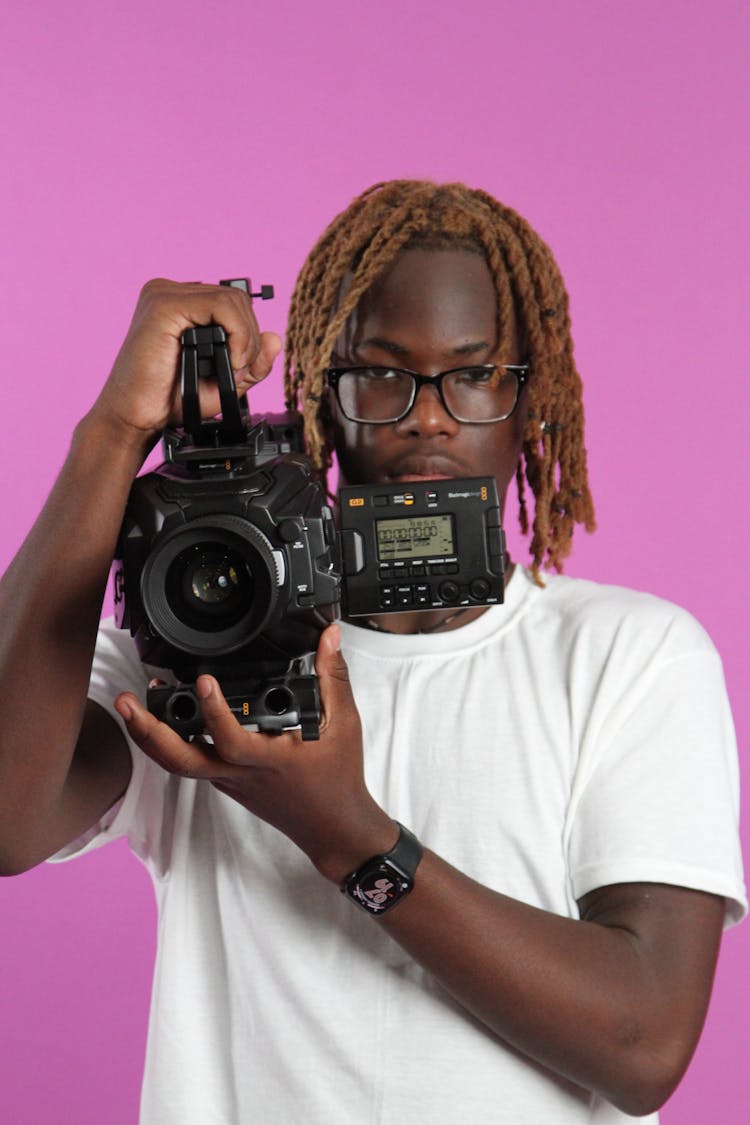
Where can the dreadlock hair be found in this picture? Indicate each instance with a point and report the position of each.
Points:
(363, 240)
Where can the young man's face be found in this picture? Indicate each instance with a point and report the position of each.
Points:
(430, 311)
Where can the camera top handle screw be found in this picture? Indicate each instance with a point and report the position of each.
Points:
(265, 292)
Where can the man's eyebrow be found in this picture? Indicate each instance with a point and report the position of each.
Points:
(470, 348)
(383, 345)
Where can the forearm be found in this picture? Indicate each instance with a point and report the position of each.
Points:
(50, 603)
(590, 1001)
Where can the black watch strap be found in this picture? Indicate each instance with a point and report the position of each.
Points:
(384, 880)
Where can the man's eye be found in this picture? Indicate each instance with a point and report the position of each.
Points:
(381, 374)
(477, 376)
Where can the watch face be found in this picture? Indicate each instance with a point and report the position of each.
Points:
(379, 887)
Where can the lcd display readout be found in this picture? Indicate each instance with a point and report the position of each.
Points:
(415, 537)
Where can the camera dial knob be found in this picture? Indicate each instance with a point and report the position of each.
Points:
(448, 591)
(289, 530)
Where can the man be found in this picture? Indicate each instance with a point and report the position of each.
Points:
(555, 775)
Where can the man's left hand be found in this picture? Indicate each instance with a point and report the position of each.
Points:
(313, 792)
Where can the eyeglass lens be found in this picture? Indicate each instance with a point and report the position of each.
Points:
(473, 394)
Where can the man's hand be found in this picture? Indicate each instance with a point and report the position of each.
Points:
(313, 792)
(142, 394)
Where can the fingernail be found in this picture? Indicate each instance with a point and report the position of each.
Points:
(125, 711)
(204, 687)
(335, 637)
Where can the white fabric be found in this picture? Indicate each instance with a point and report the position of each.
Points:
(574, 737)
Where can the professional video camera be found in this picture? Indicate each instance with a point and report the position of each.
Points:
(229, 563)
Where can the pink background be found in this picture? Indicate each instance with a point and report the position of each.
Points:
(201, 141)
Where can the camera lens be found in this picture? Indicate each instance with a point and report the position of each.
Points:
(210, 586)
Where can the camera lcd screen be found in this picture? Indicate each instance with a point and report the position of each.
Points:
(414, 537)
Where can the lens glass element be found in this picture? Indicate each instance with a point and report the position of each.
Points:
(209, 586)
(213, 582)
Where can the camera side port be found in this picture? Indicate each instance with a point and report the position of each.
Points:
(182, 709)
(278, 701)
(178, 707)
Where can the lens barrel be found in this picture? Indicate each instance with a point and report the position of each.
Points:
(210, 586)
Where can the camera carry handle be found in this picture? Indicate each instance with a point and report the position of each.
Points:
(205, 355)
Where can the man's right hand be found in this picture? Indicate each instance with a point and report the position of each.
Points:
(142, 393)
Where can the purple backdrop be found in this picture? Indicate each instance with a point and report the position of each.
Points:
(203, 141)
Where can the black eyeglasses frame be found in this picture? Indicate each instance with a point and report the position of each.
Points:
(520, 370)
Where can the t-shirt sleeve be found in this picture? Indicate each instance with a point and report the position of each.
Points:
(656, 796)
(116, 668)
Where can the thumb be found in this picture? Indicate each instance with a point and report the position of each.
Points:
(335, 690)
(270, 347)
(329, 660)
(336, 696)
(256, 369)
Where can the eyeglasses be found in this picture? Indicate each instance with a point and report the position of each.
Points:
(377, 395)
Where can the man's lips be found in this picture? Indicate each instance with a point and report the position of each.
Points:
(406, 478)
(424, 468)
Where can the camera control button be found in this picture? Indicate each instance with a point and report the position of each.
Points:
(479, 588)
(329, 532)
(289, 530)
(495, 540)
(404, 595)
(497, 563)
(448, 591)
(422, 595)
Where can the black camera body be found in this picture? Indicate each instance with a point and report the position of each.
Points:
(229, 563)
(230, 566)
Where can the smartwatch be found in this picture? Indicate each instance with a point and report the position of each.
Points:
(384, 880)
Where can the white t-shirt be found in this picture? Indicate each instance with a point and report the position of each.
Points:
(575, 737)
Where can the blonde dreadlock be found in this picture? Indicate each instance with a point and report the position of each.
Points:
(367, 237)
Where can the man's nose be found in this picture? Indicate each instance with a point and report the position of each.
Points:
(428, 415)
